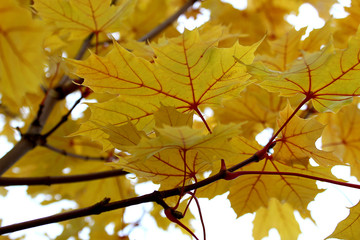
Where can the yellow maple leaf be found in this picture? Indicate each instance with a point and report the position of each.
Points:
(296, 143)
(349, 228)
(249, 192)
(284, 50)
(328, 78)
(79, 18)
(342, 135)
(276, 215)
(21, 40)
(347, 26)
(179, 154)
(189, 73)
(255, 107)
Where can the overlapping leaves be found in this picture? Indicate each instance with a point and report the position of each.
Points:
(21, 40)
(329, 78)
(251, 191)
(189, 72)
(79, 18)
(296, 143)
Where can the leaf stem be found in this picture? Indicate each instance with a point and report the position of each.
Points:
(351, 185)
(306, 99)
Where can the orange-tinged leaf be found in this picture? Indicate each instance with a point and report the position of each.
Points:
(296, 143)
(250, 192)
(342, 135)
(276, 215)
(328, 78)
(79, 18)
(188, 74)
(21, 40)
(349, 228)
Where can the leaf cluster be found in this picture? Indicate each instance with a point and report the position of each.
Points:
(147, 88)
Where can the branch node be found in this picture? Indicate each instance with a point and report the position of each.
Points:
(98, 207)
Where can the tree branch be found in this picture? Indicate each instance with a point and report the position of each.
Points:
(50, 180)
(167, 22)
(74, 155)
(156, 196)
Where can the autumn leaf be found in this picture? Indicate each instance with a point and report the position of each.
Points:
(276, 215)
(296, 143)
(179, 154)
(342, 136)
(347, 27)
(328, 79)
(255, 107)
(80, 18)
(21, 40)
(250, 192)
(349, 228)
(285, 50)
(188, 73)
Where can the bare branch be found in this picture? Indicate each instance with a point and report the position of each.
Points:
(167, 22)
(156, 196)
(74, 155)
(50, 180)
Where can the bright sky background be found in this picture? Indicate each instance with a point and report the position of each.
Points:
(327, 210)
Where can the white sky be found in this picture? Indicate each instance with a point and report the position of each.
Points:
(327, 210)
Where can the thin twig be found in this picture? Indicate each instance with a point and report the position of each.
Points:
(62, 120)
(50, 180)
(74, 155)
(167, 22)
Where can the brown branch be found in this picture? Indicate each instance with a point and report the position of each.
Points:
(167, 22)
(50, 180)
(156, 196)
(74, 155)
(62, 120)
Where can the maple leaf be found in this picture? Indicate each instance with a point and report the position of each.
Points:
(296, 143)
(21, 40)
(276, 215)
(250, 192)
(349, 228)
(79, 18)
(189, 73)
(342, 136)
(255, 107)
(320, 77)
(285, 50)
(178, 154)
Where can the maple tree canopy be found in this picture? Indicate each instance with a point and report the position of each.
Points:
(146, 88)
